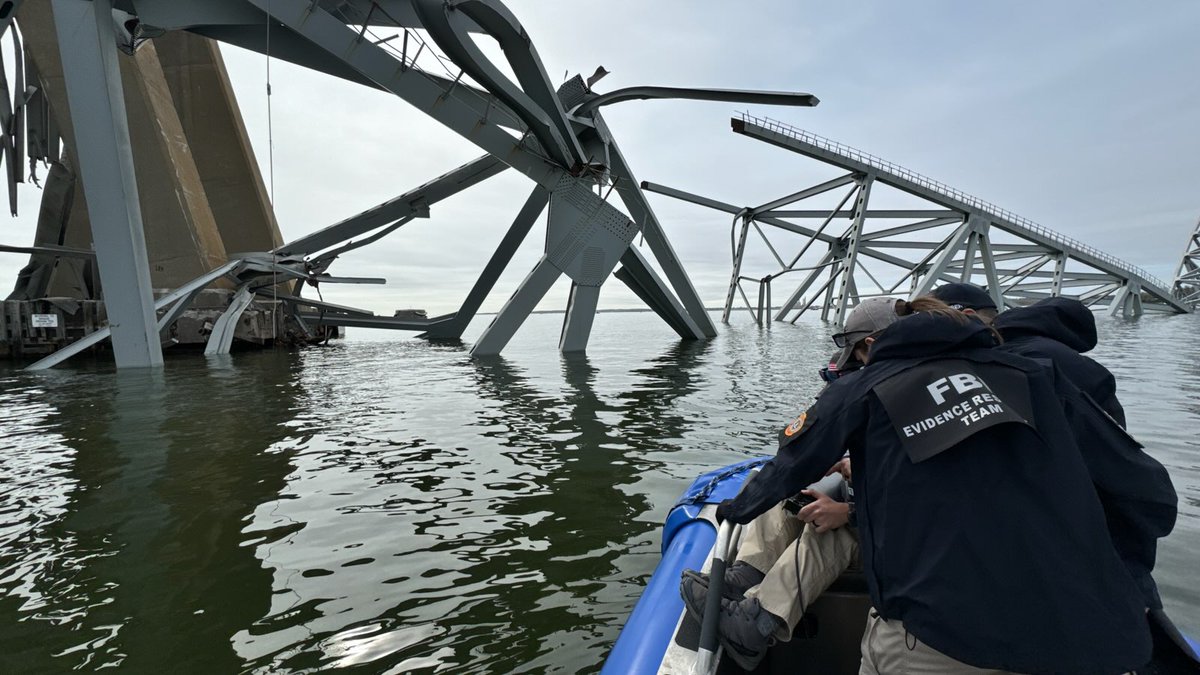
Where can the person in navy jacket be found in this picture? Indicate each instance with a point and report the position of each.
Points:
(1062, 329)
(983, 537)
(1059, 330)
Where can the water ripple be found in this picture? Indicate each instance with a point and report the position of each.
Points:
(392, 505)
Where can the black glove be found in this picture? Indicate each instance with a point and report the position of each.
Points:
(723, 510)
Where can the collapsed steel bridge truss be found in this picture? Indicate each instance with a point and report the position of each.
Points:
(1187, 277)
(855, 250)
(555, 136)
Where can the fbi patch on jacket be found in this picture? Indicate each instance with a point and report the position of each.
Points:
(938, 404)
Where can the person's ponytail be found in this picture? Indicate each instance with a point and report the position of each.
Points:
(927, 304)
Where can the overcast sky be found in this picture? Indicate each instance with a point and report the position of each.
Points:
(1081, 116)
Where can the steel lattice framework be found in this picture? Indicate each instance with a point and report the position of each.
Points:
(1187, 277)
(423, 52)
(863, 251)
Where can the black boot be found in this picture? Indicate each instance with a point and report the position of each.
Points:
(739, 578)
(744, 628)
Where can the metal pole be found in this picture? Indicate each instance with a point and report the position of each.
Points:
(968, 268)
(758, 316)
(835, 272)
(860, 215)
(739, 252)
(767, 281)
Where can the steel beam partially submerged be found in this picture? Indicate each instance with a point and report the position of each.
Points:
(922, 254)
(1187, 275)
(561, 143)
(89, 57)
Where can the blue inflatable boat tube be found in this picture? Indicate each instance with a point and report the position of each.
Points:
(687, 541)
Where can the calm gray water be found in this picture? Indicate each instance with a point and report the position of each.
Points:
(389, 505)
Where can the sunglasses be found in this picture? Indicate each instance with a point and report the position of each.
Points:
(841, 340)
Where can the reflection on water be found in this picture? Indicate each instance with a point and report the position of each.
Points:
(123, 503)
(393, 505)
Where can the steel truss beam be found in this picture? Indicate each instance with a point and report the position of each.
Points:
(1187, 276)
(93, 82)
(414, 203)
(989, 217)
(555, 157)
(570, 155)
(920, 253)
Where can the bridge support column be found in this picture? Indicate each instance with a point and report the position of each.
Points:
(1128, 301)
(89, 54)
(577, 324)
(531, 291)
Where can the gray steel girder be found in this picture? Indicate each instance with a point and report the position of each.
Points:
(221, 339)
(628, 187)
(93, 82)
(642, 93)
(377, 65)
(637, 274)
(535, 101)
(415, 202)
(505, 324)
(843, 157)
(528, 215)
(577, 323)
(1187, 276)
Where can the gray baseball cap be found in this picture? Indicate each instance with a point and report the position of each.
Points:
(869, 317)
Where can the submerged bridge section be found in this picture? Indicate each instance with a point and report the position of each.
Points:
(424, 53)
(141, 202)
(854, 249)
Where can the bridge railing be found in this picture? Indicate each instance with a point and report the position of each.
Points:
(940, 187)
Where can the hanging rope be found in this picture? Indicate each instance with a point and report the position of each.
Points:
(270, 119)
(271, 179)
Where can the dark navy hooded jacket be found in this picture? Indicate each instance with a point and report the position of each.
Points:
(994, 551)
(1062, 329)
(1058, 330)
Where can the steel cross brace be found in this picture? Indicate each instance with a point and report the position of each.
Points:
(175, 302)
(375, 64)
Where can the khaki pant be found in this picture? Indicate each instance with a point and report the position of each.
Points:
(888, 649)
(799, 563)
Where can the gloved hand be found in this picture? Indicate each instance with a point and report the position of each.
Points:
(723, 510)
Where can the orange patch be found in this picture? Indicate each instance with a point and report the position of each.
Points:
(796, 425)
